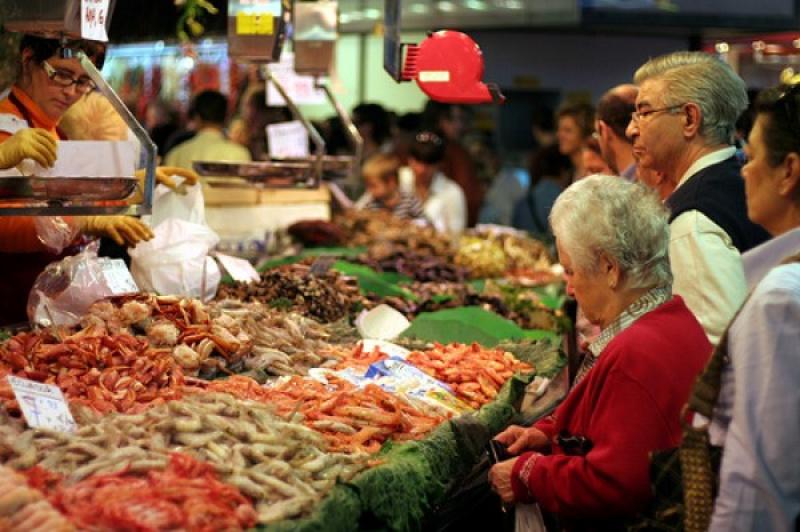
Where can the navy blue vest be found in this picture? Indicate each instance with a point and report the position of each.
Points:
(718, 192)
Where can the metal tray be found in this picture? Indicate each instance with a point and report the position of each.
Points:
(296, 174)
(66, 189)
(330, 163)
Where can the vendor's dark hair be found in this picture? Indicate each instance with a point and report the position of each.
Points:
(43, 49)
(428, 147)
(782, 130)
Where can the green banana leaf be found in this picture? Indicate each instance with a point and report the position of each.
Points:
(470, 324)
(372, 282)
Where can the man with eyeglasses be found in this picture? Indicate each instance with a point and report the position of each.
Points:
(682, 132)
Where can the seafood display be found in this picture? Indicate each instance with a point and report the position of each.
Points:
(474, 373)
(283, 466)
(325, 297)
(186, 495)
(254, 408)
(109, 373)
(200, 344)
(367, 228)
(491, 254)
(283, 343)
(24, 509)
(351, 419)
(425, 267)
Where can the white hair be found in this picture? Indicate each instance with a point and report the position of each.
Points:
(626, 221)
(704, 80)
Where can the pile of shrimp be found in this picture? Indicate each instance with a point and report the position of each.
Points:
(474, 373)
(186, 495)
(351, 419)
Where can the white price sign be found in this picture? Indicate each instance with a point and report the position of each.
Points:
(118, 277)
(300, 88)
(43, 405)
(287, 139)
(240, 269)
(93, 19)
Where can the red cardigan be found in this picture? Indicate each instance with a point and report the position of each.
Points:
(628, 405)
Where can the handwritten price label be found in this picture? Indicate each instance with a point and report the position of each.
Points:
(43, 405)
(93, 19)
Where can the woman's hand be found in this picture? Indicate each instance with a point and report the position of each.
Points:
(500, 479)
(519, 439)
(33, 143)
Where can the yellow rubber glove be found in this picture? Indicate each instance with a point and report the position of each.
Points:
(164, 176)
(34, 143)
(124, 230)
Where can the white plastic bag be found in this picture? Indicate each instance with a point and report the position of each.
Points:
(65, 289)
(176, 261)
(55, 232)
(189, 207)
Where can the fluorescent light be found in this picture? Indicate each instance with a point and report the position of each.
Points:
(419, 9)
(372, 13)
(478, 5)
(446, 6)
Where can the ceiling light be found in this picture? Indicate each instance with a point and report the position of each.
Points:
(372, 13)
(419, 9)
(510, 4)
(478, 5)
(446, 6)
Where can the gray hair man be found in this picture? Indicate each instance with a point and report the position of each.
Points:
(682, 131)
(611, 121)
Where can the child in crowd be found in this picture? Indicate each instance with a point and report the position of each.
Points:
(382, 182)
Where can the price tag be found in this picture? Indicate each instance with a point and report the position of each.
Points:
(299, 87)
(287, 139)
(254, 24)
(240, 269)
(118, 277)
(43, 405)
(93, 19)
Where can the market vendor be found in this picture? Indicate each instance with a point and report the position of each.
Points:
(589, 462)
(47, 85)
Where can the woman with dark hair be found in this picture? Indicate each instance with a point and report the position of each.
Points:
(757, 418)
(450, 122)
(47, 85)
(442, 200)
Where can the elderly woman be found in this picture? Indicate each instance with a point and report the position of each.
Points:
(757, 418)
(588, 463)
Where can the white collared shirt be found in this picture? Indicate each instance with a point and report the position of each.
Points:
(756, 415)
(706, 266)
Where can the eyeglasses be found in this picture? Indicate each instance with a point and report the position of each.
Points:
(636, 116)
(428, 137)
(63, 79)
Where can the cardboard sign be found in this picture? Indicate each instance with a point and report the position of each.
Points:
(299, 88)
(43, 405)
(287, 139)
(93, 20)
(118, 277)
(240, 269)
